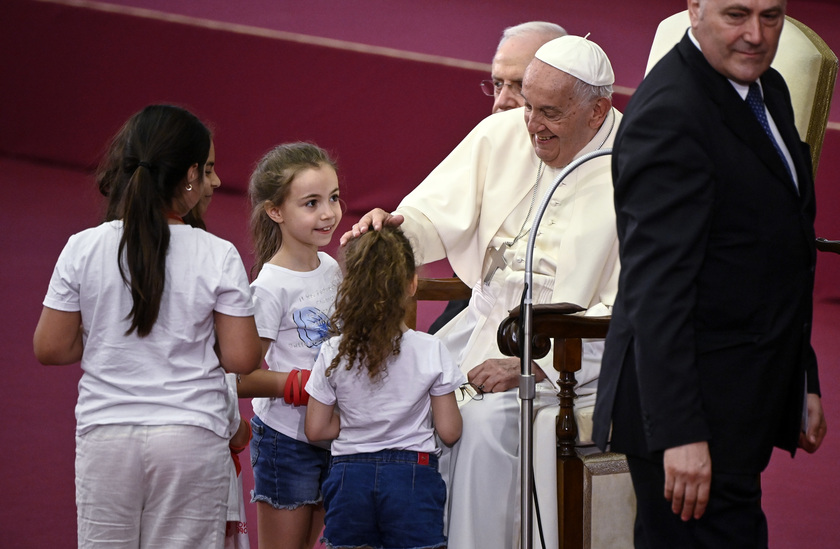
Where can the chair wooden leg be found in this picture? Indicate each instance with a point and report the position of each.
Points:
(566, 353)
(569, 465)
(569, 502)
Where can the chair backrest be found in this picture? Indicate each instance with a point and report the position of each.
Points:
(807, 64)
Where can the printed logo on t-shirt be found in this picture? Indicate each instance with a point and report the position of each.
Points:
(313, 326)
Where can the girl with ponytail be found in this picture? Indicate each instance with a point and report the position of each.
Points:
(154, 309)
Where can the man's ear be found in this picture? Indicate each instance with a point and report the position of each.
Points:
(273, 212)
(693, 12)
(600, 110)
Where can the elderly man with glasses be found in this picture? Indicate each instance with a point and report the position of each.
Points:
(515, 50)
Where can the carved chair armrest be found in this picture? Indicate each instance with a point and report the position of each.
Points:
(824, 245)
(553, 321)
(557, 321)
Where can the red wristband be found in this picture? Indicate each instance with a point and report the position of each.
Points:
(288, 390)
(296, 388)
(304, 396)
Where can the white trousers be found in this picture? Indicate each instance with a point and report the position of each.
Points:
(151, 487)
(481, 472)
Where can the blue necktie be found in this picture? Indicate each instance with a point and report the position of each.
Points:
(756, 103)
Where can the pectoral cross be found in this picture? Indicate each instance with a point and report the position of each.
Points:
(497, 261)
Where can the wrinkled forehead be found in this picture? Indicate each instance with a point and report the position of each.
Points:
(540, 76)
(515, 53)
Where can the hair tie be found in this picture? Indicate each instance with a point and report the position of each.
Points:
(145, 164)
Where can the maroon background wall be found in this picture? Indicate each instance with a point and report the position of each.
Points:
(80, 69)
(264, 72)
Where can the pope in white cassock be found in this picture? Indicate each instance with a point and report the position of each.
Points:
(476, 209)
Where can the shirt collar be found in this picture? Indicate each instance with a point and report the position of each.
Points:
(740, 88)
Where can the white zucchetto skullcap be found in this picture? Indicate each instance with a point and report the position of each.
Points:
(582, 58)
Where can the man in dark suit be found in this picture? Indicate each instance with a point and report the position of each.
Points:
(708, 359)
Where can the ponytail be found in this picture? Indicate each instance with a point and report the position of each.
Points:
(161, 144)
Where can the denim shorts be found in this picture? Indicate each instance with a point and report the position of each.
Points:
(388, 499)
(288, 473)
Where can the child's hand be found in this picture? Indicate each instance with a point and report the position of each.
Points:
(239, 441)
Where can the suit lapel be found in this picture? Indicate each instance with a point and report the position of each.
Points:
(776, 103)
(736, 114)
(740, 119)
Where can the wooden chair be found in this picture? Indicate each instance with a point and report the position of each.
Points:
(582, 473)
(595, 505)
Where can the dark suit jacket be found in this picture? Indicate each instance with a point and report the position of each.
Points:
(714, 306)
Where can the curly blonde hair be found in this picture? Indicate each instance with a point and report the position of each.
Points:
(372, 299)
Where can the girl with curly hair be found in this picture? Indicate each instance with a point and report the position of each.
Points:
(393, 388)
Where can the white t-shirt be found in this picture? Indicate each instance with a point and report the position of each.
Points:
(293, 309)
(395, 412)
(172, 376)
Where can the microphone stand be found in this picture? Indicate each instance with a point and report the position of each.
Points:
(527, 382)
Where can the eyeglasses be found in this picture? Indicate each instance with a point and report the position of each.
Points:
(488, 87)
(468, 390)
(494, 87)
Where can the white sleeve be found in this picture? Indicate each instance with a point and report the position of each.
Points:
(442, 212)
(268, 310)
(63, 291)
(318, 385)
(451, 377)
(233, 296)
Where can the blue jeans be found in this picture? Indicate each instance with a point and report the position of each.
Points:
(287, 473)
(388, 499)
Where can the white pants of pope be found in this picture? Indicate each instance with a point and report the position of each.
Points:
(482, 469)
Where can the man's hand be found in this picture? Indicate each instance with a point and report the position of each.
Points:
(816, 429)
(688, 476)
(496, 375)
(375, 218)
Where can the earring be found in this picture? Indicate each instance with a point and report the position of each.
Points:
(189, 187)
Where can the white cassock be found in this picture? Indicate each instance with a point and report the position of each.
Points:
(475, 201)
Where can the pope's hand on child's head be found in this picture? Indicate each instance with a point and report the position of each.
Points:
(376, 218)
